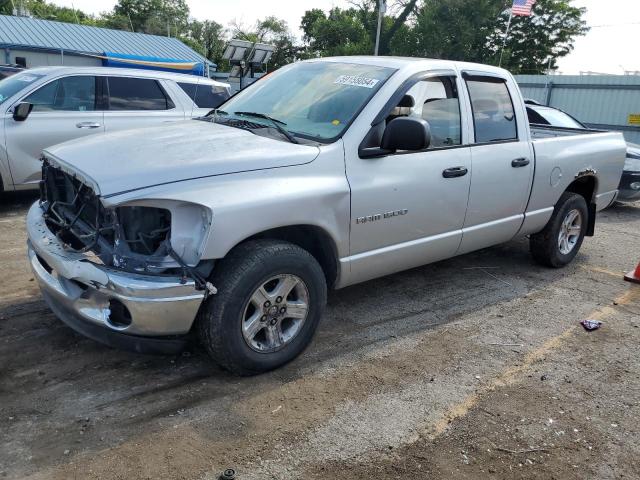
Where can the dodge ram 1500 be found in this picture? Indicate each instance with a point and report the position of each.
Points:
(325, 173)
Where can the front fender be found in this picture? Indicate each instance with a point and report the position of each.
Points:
(248, 203)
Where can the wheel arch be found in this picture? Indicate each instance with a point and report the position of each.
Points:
(587, 187)
(315, 240)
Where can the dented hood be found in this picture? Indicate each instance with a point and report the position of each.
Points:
(130, 160)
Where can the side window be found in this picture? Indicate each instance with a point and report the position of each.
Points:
(205, 95)
(137, 94)
(493, 113)
(73, 94)
(190, 89)
(436, 101)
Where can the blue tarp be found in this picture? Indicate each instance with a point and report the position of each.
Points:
(153, 63)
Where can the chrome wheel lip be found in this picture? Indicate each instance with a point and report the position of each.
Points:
(570, 231)
(275, 312)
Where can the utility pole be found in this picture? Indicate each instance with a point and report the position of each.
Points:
(382, 7)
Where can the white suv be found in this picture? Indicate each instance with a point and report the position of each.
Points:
(46, 106)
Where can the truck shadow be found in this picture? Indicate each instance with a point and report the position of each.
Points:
(16, 203)
(52, 376)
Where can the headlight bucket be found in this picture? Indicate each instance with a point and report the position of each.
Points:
(186, 226)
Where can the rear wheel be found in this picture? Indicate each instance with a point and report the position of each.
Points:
(560, 240)
(270, 298)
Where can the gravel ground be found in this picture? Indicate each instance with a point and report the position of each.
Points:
(475, 367)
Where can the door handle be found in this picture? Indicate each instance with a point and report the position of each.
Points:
(455, 172)
(520, 162)
(88, 125)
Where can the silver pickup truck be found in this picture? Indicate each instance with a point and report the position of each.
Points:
(323, 174)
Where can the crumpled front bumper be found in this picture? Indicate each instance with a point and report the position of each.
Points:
(161, 309)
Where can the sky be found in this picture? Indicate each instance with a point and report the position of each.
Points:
(610, 46)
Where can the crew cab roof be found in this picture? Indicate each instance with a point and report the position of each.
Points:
(414, 63)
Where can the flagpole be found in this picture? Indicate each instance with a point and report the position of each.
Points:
(382, 7)
(506, 35)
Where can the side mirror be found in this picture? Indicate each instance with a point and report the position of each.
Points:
(406, 133)
(21, 111)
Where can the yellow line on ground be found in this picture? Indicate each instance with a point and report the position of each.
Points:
(513, 374)
(602, 270)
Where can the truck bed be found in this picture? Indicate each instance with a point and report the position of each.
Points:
(564, 154)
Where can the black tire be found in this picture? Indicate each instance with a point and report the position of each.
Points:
(237, 277)
(544, 245)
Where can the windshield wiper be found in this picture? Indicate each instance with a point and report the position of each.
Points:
(274, 121)
(215, 112)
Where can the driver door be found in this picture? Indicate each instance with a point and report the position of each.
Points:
(63, 109)
(408, 208)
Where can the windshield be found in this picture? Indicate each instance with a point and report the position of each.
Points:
(314, 100)
(557, 118)
(12, 85)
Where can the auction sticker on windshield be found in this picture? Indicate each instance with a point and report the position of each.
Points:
(355, 81)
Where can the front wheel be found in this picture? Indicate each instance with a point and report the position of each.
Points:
(560, 240)
(271, 295)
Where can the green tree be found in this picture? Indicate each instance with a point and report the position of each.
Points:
(535, 43)
(272, 31)
(48, 11)
(454, 29)
(115, 21)
(396, 16)
(341, 32)
(207, 38)
(352, 31)
(158, 17)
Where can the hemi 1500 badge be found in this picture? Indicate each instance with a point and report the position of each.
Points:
(380, 216)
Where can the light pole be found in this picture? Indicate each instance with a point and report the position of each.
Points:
(382, 7)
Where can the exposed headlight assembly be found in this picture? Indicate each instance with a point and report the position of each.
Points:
(155, 234)
(142, 236)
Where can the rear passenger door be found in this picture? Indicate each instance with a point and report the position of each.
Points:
(502, 162)
(137, 102)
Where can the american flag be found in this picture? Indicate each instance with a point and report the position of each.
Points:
(522, 8)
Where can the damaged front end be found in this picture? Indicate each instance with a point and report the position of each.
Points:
(136, 237)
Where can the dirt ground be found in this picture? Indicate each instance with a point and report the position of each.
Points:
(475, 367)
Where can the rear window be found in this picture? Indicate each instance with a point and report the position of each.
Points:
(137, 94)
(205, 95)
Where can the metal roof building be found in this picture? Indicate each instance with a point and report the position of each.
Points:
(43, 42)
(610, 102)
